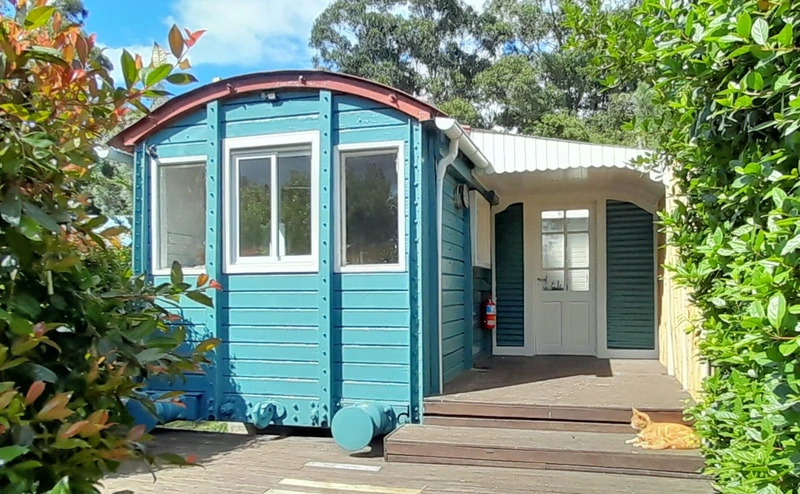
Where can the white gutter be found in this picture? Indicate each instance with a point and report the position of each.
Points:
(441, 171)
(453, 130)
(104, 152)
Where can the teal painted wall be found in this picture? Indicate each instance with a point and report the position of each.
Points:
(631, 277)
(309, 342)
(457, 337)
(510, 277)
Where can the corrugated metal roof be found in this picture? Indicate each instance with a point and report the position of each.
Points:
(510, 153)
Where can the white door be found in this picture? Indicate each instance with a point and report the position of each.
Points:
(564, 316)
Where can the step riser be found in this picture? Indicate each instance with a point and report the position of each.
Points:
(540, 425)
(633, 463)
(527, 412)
(536, 466)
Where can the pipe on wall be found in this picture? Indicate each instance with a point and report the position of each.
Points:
(441, 171)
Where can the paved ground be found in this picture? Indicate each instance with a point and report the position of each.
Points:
(315, 465)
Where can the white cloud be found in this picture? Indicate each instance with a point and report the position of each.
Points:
(249, 32)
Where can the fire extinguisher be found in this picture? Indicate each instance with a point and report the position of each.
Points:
(489, 314)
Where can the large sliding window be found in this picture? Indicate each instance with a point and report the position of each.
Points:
(271, 208)
(179, 213)
(370, 212)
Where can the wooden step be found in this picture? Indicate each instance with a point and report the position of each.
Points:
(536, 449)
(530, 424)
(610, 415)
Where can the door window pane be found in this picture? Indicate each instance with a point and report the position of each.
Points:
(553, 281)
(578, 220)
(370, 206)
(553, 251)
(552, 221)
(181, 215)
(255, 206)
(578, 250)
(294, 175)
(579, 280)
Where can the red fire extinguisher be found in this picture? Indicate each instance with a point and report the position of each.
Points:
(489, 314)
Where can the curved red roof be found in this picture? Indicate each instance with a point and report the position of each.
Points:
(261, 81)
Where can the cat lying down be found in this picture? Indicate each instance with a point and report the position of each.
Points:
(661, 435)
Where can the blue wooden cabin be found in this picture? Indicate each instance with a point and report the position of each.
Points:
(318, 201)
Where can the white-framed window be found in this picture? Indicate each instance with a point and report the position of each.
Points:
(271, 198)
(481, 228)
(370, 207)
(178, 208)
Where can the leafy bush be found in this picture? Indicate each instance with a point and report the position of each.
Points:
(78, 334)
(725, 73)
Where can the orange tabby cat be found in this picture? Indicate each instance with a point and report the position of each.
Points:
(661, 435)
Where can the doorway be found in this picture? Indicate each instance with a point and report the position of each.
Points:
(565, 283)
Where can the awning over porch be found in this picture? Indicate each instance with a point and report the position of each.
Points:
(510, 153)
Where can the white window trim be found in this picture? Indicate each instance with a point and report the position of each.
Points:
(155, 224)
(300, 264)
(339, 198)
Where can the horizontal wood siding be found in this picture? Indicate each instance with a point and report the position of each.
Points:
(275, 348)
(454, 288)
(630, 268)
(372, 311)
(510, 277)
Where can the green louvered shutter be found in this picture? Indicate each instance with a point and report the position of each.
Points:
(630, 268)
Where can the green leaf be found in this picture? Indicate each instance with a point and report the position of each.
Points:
(39, 16)
(62, 487)
(786, 36)
(129, 72)
(770, 489)
(11, 207)
(11, 453)
(36, 372)
(176, 273)
(788, 347)
(207, 345)
(776, 310)
(754, 80)
(176, 41)
(744, 24)
(791, 246)
(181, 79)
(41, 217)
(72, 443)
(30, 228)
(201, 298)
(159, 56)
(158, 74)
(150, 355)
(760, 31)
(782, 82)
(20, 326)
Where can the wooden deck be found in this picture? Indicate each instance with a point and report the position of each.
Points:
(269, 464)
(549, 413)
(564, 388)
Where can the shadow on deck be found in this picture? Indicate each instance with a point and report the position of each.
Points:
(567, 382)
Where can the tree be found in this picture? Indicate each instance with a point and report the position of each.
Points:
(509, 66)
(724, 78)
(421, 47)
(78, 335)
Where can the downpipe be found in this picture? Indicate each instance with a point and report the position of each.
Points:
(441, 172)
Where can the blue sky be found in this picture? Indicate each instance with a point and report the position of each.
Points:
(242, 35)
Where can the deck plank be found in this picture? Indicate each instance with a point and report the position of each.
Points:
(592, 449)
(568, 382)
